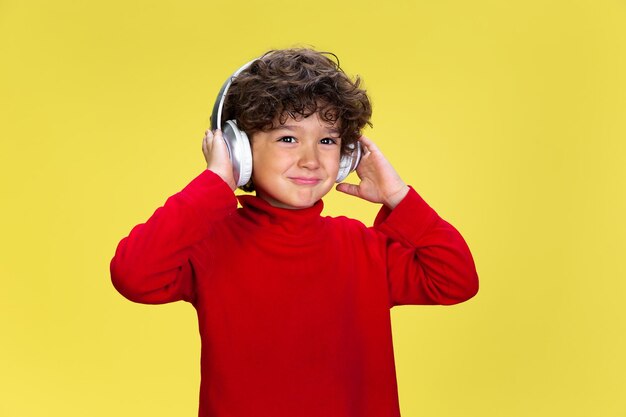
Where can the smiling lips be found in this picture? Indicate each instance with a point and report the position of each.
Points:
(305, 180)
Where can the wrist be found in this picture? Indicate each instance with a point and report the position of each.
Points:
(396, 197)
(226, 178)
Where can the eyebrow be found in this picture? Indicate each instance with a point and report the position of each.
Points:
(293, 128)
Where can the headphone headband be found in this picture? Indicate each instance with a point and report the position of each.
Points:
(216, 114)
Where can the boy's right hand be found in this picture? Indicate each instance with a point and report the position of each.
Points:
(216, 156)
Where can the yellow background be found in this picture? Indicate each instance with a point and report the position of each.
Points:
(509, 117)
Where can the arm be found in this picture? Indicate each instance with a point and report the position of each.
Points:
(152, 264)
(428, 261)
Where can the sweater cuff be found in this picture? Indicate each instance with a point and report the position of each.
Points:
(409, 221)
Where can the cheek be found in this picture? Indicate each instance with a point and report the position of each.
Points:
(274, 161)
(331, 162)
(268, 168)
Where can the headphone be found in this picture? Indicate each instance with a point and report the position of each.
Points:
(238, 143)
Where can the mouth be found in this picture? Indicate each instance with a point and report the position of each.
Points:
(305, 180)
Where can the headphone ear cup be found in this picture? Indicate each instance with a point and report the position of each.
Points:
(348, 163)
(239, 151)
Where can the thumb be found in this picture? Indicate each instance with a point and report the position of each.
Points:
(346, 188)
(220, 144)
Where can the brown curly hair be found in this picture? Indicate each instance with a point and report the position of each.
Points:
(298, 82)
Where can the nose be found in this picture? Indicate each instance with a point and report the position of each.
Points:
(309, 157)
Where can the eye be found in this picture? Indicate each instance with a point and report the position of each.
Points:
(329, 141)
(287, 139)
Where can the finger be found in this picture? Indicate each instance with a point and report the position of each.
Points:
(208, 135)
(219, 141)
(367, 144)
(350, 189)
(218, 136)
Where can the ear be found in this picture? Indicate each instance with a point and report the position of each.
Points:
(349, 162)
(240, 152)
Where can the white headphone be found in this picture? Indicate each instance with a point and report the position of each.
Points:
(238, 143)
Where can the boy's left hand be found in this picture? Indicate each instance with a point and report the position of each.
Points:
(380, 183)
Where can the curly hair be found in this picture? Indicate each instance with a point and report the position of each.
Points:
(298, 82)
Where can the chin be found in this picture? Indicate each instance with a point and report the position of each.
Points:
(304, 204)
(295, 204)
(294, 197)
(290, 201)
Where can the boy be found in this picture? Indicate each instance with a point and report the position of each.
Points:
(293, 307)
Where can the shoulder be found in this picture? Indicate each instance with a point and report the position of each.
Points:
(351, 228)
(344, 222)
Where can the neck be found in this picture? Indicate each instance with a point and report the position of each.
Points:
(278, 219)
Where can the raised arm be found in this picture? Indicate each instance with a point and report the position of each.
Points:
(151, 265)
(428, 261)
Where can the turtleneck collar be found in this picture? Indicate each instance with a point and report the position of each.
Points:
(281, 220)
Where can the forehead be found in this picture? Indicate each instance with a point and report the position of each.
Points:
(293, 122)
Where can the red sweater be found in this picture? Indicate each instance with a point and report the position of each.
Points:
(293, 307)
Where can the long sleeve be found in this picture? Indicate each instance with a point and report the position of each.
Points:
(428, 261)
(151, 265)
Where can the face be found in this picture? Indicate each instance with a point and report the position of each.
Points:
(295, 164)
